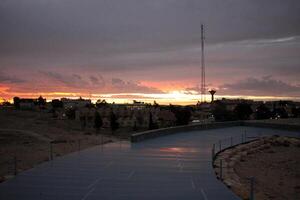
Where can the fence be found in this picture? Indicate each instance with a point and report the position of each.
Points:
(23, 156)
(228, 143)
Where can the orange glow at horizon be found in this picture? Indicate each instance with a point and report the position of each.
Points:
(168, 86)
(174, 97)
(171, 95)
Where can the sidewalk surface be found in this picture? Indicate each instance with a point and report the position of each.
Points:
(171, 167)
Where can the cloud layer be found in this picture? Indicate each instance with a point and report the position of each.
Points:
(262, 86)
(117, 46)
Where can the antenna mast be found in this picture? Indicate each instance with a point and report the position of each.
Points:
(203, 89)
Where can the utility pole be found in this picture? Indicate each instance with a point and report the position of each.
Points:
(203, 88)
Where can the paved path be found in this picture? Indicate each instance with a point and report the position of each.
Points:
(172, 167)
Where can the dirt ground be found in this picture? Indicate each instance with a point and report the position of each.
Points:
(275, 164)
(25, 138)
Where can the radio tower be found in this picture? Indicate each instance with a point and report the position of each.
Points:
(203, 89)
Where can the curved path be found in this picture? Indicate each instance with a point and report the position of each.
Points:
(172, 167)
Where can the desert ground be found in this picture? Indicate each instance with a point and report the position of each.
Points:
(25, 138)
(274, 162)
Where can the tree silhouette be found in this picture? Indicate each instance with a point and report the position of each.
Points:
(243, 111)
(6, 103)
(280, 112)
(221, 113)
(139, 119)
(101, 103)
(17, 102)
(151, 124)
(182, 115)
(82, 121)
(134, 126)
(98, 121)
(114, 125)
(262, 112)
(57, 103)
(70, 113)
(41, 101)
(155, 104)
(296, 112)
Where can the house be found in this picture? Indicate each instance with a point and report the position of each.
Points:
(166, 118)
(27, 104)
(75, 103)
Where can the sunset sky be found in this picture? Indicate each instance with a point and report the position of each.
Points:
(148, 50)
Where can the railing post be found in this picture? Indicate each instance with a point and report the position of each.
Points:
(221, 169)
(15, 166)
(78, 144)
(213, 153)
(51, 151)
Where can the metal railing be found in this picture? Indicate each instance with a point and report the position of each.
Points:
(228, 143)
(21, 158)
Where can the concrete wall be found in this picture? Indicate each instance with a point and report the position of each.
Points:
(289, 127)
(137, 137)
(171, 130)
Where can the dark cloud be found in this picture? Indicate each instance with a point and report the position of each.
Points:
(94, 83)
(117, 82)
(94, 80)
(122, 86)
(262, 86)
(73, 80)
(191, 90)
(71, 42)
(110, 27)
(5, 78)
(76, 76)
(97, 81)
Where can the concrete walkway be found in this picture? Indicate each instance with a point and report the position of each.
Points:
(172, 167)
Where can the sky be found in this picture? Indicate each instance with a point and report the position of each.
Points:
(120, 50)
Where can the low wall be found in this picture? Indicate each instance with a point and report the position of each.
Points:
(137, 137)
(289, 127)
(171, 130)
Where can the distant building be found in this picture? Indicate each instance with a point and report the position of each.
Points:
(166, 118)
(128, 115)
(27, 104)
(75, 103)
(232, 103)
